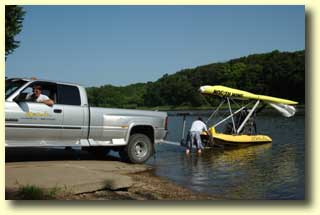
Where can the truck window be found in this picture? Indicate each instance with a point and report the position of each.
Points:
(12, 85)
(68, 95)
(48, 89)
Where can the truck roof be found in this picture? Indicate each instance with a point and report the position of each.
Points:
(44, 80)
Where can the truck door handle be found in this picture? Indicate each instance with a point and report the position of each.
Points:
(57, 110)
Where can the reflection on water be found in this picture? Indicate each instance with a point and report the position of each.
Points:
(269, 171)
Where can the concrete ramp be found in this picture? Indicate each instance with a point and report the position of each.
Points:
(71, 176)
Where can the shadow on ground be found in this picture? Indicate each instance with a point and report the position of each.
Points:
(52, 154)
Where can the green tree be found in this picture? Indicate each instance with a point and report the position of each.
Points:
(279, 74)
(13, 21)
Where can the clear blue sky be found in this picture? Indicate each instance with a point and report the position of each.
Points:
(120, 45)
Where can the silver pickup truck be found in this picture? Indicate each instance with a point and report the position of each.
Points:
(72, 122)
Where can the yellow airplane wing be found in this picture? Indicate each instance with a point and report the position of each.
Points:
(223, 91)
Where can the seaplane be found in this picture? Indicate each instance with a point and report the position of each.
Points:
(237, 126)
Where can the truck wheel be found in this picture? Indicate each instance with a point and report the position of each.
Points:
(139, 148)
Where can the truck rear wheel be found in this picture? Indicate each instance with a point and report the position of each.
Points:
(138, 150)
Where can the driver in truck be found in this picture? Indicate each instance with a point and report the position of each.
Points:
(38, 97)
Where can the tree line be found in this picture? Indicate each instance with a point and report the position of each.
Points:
(279, 74)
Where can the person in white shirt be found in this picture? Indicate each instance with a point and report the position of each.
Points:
(196, 129)
(38, 97)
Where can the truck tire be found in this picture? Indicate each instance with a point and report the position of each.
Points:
(138, 150)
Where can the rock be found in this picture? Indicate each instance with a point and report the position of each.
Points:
(117, 182)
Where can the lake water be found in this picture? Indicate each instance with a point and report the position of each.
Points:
(269, 171)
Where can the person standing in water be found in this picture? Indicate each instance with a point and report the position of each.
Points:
(197, 127)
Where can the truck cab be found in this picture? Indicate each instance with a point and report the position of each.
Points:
(70, 121)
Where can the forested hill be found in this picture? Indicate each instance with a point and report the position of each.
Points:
(279, 74)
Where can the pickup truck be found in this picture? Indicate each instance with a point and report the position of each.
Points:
(72, 122)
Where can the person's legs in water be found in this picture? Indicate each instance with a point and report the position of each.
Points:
(189, 143)
(192, 141)
(199, 143)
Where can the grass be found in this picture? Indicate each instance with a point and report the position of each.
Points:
(31, 192)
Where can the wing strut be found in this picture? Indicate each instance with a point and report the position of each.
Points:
(248, 116)
(231, 114)
(228, 117)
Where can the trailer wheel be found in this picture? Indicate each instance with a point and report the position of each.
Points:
(138, 150)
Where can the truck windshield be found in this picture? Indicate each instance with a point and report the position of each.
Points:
(12, 85)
